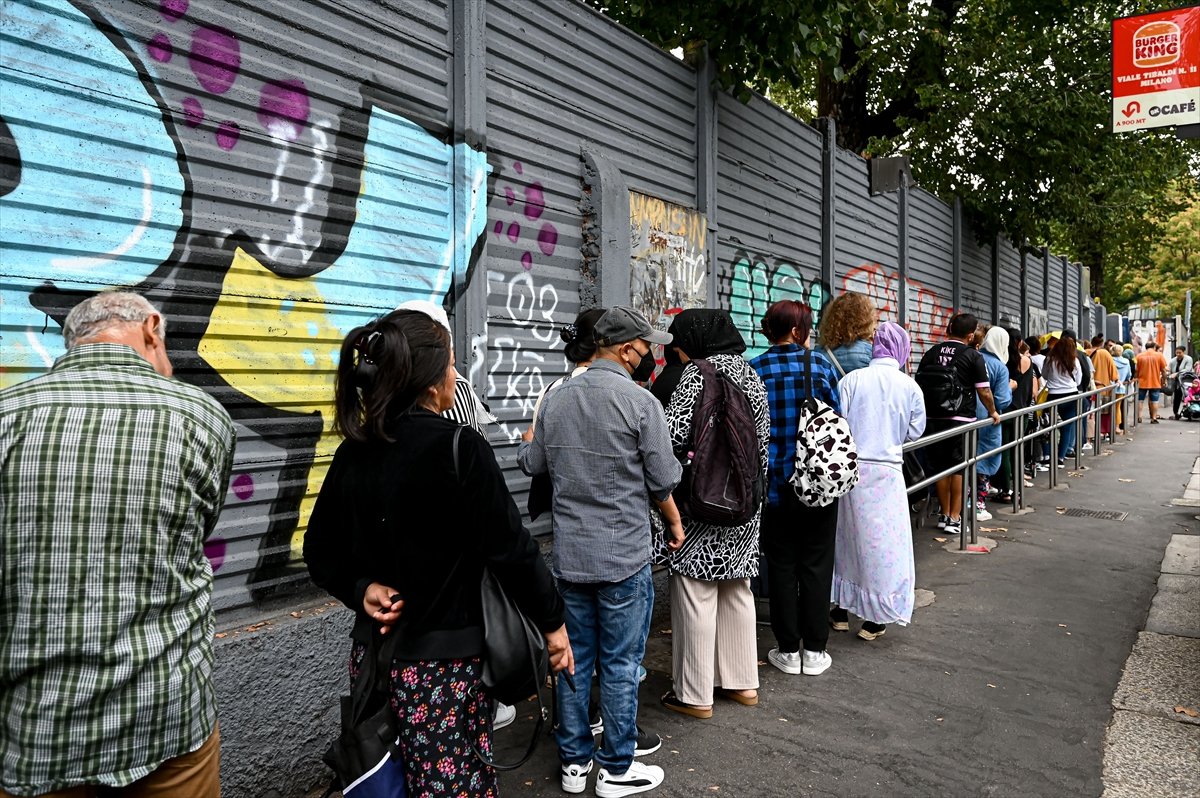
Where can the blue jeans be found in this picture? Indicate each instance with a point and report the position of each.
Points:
(608, 624)
(1066, 441)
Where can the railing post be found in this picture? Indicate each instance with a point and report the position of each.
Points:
(1017, 458)
(1099, 444)
(972, 448)
(968, 495)
(1080, 430)
(1053, 446)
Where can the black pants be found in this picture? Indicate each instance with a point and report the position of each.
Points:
(1177, 400)
(798, 542)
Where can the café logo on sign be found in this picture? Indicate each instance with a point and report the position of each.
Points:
(1156, 44)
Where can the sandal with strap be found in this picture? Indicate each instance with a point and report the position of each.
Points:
(734, 695)
(672, 702)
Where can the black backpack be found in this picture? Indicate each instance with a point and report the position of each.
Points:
(944, 393)
(722, 477)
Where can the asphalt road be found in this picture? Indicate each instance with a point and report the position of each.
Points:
(1000, 687)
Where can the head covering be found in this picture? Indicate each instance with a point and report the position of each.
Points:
(700, 333)
(433, 311)
(892, 341)
(996, 342)
(622, 324)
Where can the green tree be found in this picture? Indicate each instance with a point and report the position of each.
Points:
(1004, 103)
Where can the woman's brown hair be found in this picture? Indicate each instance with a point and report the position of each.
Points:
(784, 316)
(848, 318)
(383, 369)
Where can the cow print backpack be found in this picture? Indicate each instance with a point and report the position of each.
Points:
(826, 457)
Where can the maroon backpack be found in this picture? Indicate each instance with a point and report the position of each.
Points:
(722, 476)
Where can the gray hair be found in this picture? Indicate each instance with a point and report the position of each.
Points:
(107, 309)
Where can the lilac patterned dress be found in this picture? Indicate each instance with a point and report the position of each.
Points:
(442, 710)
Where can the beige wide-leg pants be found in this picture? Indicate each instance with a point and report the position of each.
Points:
(713, 640)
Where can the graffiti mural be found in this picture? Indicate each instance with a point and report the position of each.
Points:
(668, 271)
(754, 282)
(266, 204)
(927, 315)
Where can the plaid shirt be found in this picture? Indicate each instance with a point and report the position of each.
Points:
(111, 477)
(782, 372)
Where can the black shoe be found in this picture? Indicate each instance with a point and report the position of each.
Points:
(870, 631)
(839, 619)
(647, 743)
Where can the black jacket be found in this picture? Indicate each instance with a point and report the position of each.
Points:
(396, 514)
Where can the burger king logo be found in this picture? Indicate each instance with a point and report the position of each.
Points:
(1156, 44)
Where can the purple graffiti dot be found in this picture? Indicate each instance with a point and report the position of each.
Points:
(172, 10)
(243, 486)
(514, 232)
(193, 112)
(160, 48)
(283, 108)
(547, 239)
(535, 201)
(509, 196)
(526, 261)
(227, 135)
(518, 167)
(499, 228)
(215, 58)
(214, 550)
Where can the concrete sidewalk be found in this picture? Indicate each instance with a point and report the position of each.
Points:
(1003, 685)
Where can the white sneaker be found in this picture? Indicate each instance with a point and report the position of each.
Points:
(815, 663)
(982, 515)
(1087, 447)
(954, 527)
(574, 777)
(639, 778)
(942, 521)
(788, 662)
(505, 715)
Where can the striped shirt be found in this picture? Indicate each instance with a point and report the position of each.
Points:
(604, 440)
(782, 370)
(111, 478)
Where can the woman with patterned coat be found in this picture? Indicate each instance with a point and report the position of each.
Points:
(712, 608)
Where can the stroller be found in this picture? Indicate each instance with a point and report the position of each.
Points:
(1190, 411)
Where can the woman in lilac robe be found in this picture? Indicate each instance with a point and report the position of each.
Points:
(874, 573)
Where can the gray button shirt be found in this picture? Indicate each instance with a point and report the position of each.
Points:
(605, 442)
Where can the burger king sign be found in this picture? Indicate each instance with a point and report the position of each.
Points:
(1156, 69)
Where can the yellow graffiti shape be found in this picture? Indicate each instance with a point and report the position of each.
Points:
(272, 340)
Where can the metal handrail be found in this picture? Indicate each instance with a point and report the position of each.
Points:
(970, 431)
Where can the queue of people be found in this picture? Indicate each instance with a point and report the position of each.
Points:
(108, 436)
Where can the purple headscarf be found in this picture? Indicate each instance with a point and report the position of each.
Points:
(892, 341)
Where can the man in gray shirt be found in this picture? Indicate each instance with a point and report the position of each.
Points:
(605, 443)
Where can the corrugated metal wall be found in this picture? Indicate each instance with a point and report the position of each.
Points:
(768, 211)
(976, 277)
(1009, 282)
(1056, 285)
(275, 174)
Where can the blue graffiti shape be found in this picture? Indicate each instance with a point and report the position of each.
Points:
(99, 198)
(754, 283)
(10, 160)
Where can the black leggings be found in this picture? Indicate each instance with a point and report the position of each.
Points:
(798, 542)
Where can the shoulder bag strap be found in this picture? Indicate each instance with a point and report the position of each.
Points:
(809, 399)
(837, 365)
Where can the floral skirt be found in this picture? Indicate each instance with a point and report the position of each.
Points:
(442, 710)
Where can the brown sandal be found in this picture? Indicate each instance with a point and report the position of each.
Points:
(672, 702)
(734, 695)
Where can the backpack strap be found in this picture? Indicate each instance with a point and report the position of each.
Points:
(809, 399)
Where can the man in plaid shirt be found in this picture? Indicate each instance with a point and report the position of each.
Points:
(112, 475)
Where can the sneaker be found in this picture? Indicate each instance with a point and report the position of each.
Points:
(574, 777)
(647, 743)
(788, 662)
(1043, 467)
(639, 778)
(505, 715)
(1087, 447)
(870, 631)
(597, 724)
(814, 663)
(954, 527)
(942, 521)
(983, 515)
(839, 620)
(1062, 463)
(641, 673)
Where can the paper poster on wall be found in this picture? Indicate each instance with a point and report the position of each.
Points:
(1039, 321)
(668, 271)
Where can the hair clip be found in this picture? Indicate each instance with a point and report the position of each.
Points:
(569, 333)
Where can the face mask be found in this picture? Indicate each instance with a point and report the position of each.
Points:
(645, 368)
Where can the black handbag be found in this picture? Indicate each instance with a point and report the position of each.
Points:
(366, 757)
(516, 662)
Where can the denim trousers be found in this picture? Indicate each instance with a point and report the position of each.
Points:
(1066, 441)
(608, 623)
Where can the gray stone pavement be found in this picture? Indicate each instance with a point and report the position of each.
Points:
(1005, 684)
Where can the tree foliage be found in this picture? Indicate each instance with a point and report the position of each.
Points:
(1005, 103)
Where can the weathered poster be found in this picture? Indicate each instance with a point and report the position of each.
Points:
(668, 271)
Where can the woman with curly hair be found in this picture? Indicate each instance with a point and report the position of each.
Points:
(847, 326)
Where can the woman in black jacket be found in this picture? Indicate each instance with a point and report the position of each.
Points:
(400, 533)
